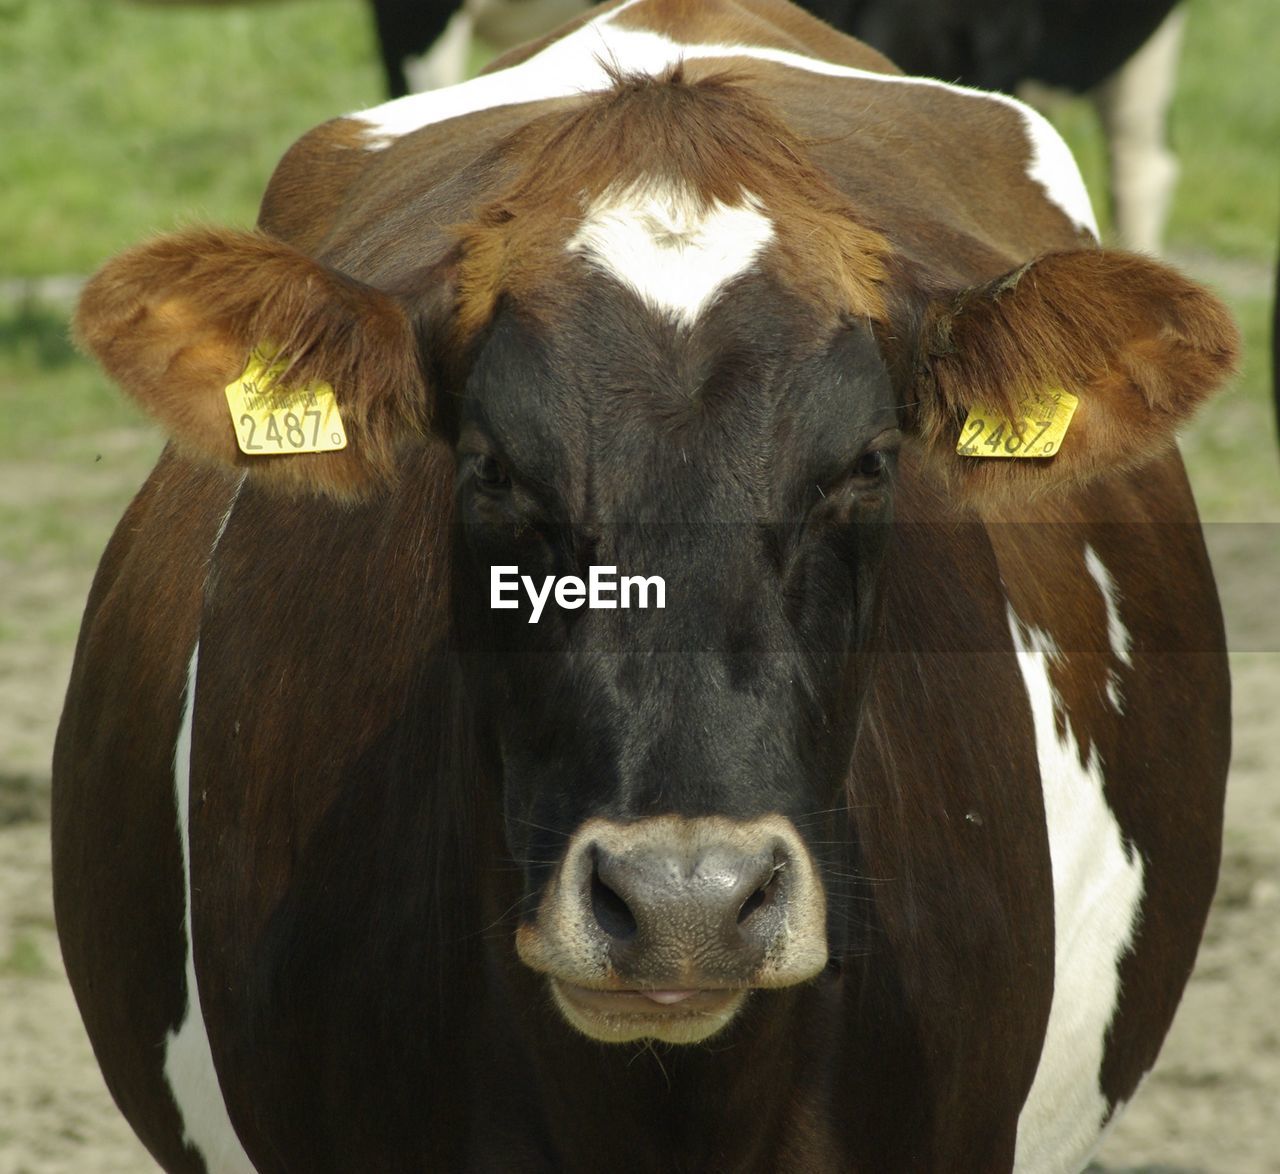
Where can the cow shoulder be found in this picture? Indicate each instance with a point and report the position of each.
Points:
(312, 182)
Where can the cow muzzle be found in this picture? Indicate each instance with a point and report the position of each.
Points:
(661, 928)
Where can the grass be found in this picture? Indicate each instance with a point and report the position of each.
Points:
(25, 960)
(122, 119)
(1224, 126)
(1231, 448)
(51, 392)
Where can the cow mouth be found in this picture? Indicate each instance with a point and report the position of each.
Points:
(660, 927)
(674, 1015)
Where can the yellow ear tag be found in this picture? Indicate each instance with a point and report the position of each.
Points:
(270, 418)
(1038, 432)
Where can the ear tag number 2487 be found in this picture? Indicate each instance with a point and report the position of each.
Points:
(1038, 433)
(271, 418)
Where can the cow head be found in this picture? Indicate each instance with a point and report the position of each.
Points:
(689, 363)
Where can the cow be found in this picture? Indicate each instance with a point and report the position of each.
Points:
(1123, 59)
(883, 840)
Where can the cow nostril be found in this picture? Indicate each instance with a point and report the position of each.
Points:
(762, 897)
(612, 913)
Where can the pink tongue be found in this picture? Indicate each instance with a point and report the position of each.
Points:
(668, 997)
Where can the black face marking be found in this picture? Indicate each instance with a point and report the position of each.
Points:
(750, 464)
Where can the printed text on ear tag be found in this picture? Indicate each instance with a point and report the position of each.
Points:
(270, 417)
(1038, 431)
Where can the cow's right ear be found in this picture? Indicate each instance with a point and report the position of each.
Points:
(176, 320)
(1136, 344)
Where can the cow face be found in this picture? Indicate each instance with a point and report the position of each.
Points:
(658, 763)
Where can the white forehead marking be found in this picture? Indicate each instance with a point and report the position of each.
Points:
(575, 65)
(673, 251)
(1117, 634)
(1097, 901)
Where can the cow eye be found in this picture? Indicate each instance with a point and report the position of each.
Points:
(871, 464)
(490, 473)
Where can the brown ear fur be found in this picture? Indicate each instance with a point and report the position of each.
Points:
(1140, 345)
(174, 321)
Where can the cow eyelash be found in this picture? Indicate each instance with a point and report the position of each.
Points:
(871, 465)
(490, 474)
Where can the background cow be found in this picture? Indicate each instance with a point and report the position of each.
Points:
(879, 808)
(1124, 57)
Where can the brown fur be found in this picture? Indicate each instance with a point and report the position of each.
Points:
(707, 133)
(311, 184)
(174, 321)
(1140, 345)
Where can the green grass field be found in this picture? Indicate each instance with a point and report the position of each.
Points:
(123, 120)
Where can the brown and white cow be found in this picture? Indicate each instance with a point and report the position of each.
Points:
(1123, 57)
(897, 824)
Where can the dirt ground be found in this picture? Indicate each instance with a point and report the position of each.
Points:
(1211, 1105)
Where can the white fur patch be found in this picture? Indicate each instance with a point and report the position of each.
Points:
(673, 252)
(188, 1058)
(571, 65)
(1097, 895)
(1054, 168)
(575, 65)
(1117, 634)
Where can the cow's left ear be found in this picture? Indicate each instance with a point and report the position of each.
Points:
(177, 320)
(1140, 346)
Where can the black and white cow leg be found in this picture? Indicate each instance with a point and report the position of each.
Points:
(501, 24)
(1133, 106)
